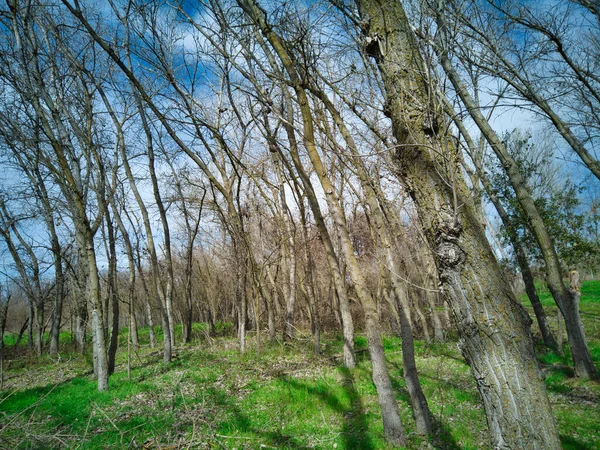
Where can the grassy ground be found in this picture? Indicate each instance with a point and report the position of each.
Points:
(210, 396)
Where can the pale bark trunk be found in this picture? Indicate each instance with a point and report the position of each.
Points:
(566, 301)
(167, 290)
(269, 298)
(150, 324)
(382, 237)
(494, 329)
(133, 332)
(520, 252)
(98, 342)
(341, 294)
(81, 316)
(392, 424)
(155, 287)
(241, 298)
(133, 325)
(311, 296)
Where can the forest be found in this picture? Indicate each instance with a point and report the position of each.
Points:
(299, 224)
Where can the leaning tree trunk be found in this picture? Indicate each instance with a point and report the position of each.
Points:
(380, 231)
(567, 301)
(338, 280)
(494, 328)
(514, 239)
(392, 423)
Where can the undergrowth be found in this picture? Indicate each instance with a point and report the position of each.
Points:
(210, 396)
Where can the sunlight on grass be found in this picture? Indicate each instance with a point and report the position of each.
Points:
(282, 397)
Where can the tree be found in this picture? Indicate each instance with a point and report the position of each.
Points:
(65, 120)
(468, 271)
(567, 301)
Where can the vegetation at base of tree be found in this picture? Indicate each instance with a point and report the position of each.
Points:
(211, 396)
(590, 313)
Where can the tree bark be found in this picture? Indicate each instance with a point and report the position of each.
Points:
(566, 300)
(494, 329)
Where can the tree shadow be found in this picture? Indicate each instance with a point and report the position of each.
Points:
(243, 423)
(568, 442)
(441, 437)
(355, 430)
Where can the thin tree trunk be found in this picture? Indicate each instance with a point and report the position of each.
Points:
(421, 411)
(438, 328)
(338, 279)
(4, 302)
(150, 324)
(422, 319)
(112, 294)
(98, 342)
(392, 424)
(58, 299)
(379, 230)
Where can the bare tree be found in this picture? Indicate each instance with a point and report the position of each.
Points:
(468, 271)
(567, 301)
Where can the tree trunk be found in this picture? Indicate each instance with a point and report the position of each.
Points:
(421, 411)
(566, 301)
(58, 301)
(422, 319)
(494, 329)
(150, 324)
(3, 315)
(98, 342)
(39, 325)
(514, 239)
(382, 237)
(30, 325)
(240, 295)
(438, 328)
(392, 424)
(338, 280)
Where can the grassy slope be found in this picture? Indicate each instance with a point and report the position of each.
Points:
(212, 397)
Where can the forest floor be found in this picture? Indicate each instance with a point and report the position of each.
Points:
(210, 396)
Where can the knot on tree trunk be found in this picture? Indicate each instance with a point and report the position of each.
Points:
(449, 254)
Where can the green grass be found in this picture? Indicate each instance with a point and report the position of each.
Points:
(575, 403)
(210, 396)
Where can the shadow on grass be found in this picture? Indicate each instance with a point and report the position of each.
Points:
(355, 431)
(569, 443)
(441, 437)
(241, 422)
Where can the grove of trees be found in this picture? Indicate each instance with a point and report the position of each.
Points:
(312, 165)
